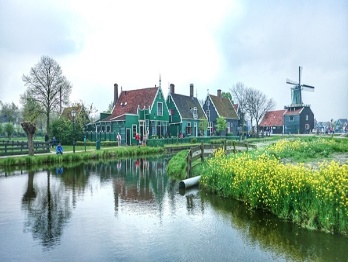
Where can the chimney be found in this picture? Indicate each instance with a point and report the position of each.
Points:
(172, 88)
(219, 93)
(115, 93)
(191, 90)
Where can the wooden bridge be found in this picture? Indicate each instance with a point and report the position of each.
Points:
(206, 150)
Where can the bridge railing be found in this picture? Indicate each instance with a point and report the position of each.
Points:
(207, 150)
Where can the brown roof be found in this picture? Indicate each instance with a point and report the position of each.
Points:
(294, 112)
(224, 107)
(130, 100)
(273, 118)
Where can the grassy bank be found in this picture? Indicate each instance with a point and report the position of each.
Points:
(131, 151)
(315, 198)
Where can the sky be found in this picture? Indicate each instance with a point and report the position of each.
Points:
(212, 44)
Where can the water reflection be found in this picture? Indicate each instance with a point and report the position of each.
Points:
(139, 193)
(47, 211)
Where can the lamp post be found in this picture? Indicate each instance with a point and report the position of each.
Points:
(73, 114)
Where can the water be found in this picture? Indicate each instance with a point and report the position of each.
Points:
(130, 210)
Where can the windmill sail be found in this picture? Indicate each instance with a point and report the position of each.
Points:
(296, 95)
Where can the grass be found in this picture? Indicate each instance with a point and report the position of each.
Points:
(112, 153)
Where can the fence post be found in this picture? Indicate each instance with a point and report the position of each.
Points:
(202, 151)
(234, 147)
(225, 143)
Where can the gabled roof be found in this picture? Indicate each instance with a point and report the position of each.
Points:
(184, 105)
(130, 100)
(224, 107)
(273, 118)
(294, 112)
(236, 107)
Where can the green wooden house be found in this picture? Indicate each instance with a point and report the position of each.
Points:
(142, 111)
(185, 114)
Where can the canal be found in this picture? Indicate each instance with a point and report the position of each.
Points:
(130, 210)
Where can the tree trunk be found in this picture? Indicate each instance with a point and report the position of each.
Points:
(29, 128)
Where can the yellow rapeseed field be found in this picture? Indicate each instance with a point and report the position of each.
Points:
(312, 197)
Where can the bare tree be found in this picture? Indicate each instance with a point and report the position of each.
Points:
(257, 104)
(47, 87)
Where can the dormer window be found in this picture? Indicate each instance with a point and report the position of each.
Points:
(194, 113)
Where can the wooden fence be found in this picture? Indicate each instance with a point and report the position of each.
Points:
(8, 148)
(207, 150)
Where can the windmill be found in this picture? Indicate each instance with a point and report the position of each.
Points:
(296, 96)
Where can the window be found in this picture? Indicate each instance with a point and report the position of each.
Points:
(194, 112)
(134, 130)
(188, 129)
(160, 109)
(291, 118)
(306, 117)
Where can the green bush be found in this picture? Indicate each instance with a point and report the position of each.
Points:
(177, 165)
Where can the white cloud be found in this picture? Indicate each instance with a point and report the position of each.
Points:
(211, 44)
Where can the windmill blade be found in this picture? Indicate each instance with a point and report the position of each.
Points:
(288, 81)
(308, 88)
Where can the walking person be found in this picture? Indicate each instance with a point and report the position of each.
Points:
(145, 138)
(137, 137)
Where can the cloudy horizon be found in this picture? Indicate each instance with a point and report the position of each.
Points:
(212, 45)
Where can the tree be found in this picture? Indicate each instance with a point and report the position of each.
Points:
(227, 95)
(29, 128)
(47, 87)
(203, 125)
(221, 124)
(110, 107)
(257, 105)
(10, 111)
(9, 129)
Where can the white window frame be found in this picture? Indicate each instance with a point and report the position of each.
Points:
(136, 131)
(159, 110)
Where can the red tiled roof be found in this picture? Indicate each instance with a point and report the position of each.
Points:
(129, 101)
(273, 118)
(294, 112)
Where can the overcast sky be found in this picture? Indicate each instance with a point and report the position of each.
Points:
(212, 44)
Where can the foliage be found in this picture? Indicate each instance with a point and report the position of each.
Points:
(177, 165)
(9, 129)
(221, 124)
(30, 108)
(227, 95)
(307, 149)
(1, 129)
(62, 130)
(313, 198)
(203, 124)
(9, 111)
(47, 87)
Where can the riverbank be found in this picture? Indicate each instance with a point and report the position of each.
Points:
(69, 156)
(315, 198)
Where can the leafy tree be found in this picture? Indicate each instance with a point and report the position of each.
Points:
(227, 95)
(203, 125)
(110, 107)
(62, 129)
(47, 87)
(9, 129)
(221, 124)
(10, 111)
